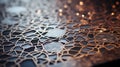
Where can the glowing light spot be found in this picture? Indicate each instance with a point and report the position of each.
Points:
(65, 6)
(117, 3)
(89, 13)
(112, 13)
(113, 6)
(104, 39)
(83, 15)
(81, 3)
(118, 17)
(101, 31)
(77, 14)
(90, 17)
(104, 29)
(60, 10)
(60, 14)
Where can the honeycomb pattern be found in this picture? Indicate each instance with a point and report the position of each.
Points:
(55, 33)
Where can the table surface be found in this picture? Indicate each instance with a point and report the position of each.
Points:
(59, 33)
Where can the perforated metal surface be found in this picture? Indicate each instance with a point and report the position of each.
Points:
(56, 33)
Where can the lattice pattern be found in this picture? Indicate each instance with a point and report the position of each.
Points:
(43, 34)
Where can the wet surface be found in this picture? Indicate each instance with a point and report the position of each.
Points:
(57, 33)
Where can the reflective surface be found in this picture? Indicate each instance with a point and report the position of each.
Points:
(57, 33)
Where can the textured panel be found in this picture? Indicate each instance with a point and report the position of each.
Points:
(58, 33)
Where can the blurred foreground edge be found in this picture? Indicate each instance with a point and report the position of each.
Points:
(114, 63)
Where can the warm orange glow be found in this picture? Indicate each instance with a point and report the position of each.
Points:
(80, 8)
(117, 3)
(60, 14)
(104, 39)
(65, 6)
(118, 17)
(81, 3)
(89, 13)
(84, 22)
(90, 18)
(113, 6)
(112, 13)
(69, 1)
(101, 31)
(104, 29)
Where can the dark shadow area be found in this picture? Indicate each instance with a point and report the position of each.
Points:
(114, 63)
